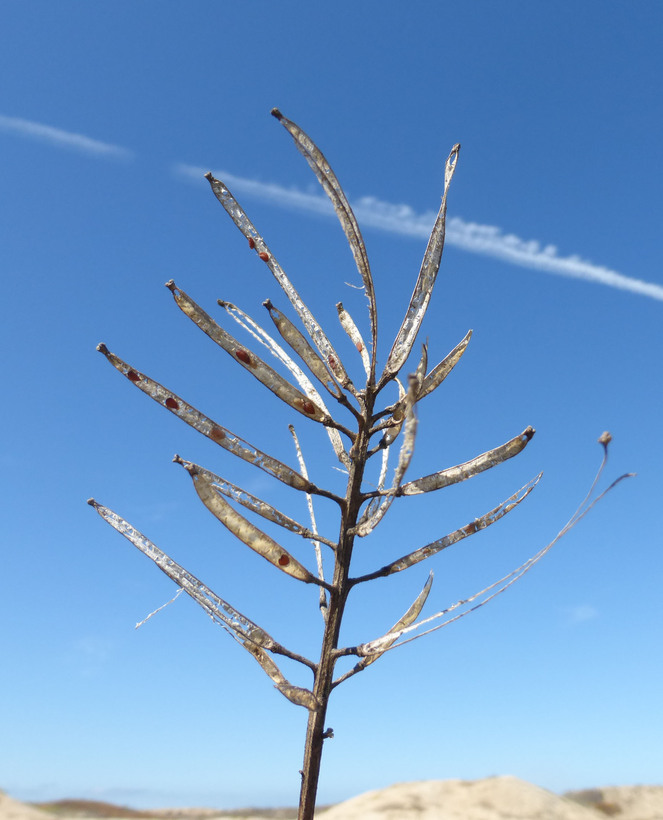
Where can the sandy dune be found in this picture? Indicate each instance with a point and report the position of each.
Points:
(494, 798)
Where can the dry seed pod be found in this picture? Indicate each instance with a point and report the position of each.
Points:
(439, 373)
(374, 516)
(461, 472)
(394, 424)
(241, 220)
(327, 178)
(220, 435)
(218, 609)
(254, 364)
(245, 321)
(302, 348)
(295, 694)
(408, 618)
(497, 587)
(425, 282)
(251, 502)
(247, 532)
(348, 325)
(442, 543)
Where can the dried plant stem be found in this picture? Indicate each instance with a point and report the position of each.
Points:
(324, 675)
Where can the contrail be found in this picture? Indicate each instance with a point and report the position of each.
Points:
(486, 240)
(62, 139)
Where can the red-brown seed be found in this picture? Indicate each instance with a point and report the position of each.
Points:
(252, 243)
(308, 407)
(172, 404)
(217, 434)
(264, 256)
(133, 376)
(243, 356)
(332, 362)
(284, 561)
(359, 346)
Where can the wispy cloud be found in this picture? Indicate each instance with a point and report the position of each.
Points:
(62, 139)
(580, 613)
(486, 240)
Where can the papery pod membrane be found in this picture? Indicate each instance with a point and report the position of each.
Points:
(247, 532)
(381, 645)
(324, 604)
(374, 503)
(261, 335)
(251, 502)
(241, 220)
(461, 472)
(439, 373)
(245, 321)
(394, 424)
(442, 543)
(291, 335)
(219, 610)
(327, 178)
(254, 364)
(295, 694)
(218, 434)
(425, 282)
(373, 518)
(410, 616)
(349, 326)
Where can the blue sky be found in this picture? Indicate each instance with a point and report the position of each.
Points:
(109, 115)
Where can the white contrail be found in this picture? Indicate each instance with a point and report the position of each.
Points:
(60, 138)
(402, 219)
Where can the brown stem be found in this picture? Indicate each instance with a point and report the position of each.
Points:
(341, 586)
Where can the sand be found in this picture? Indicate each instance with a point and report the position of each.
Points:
(494, 798)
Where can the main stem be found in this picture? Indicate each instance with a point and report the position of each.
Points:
(324, 675)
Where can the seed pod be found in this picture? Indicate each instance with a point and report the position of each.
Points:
(461, 472)
(302, 348)
(425, 282)
(211, 429)
(254, 364)
(243, 529)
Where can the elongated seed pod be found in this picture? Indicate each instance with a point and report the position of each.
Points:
(394, 424)
(442, 543)
(241, 220)
(409, 617)
(327, 178)
(349, 326)
(374, 515)
(218, 609)
(218, 434)
(254, 364)
(252, 502)
(248, 634)
(245, 321)
(439, 373)
(425, 282)
(247, 532)
(302, 348)
(461, 472)
(295, 694)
